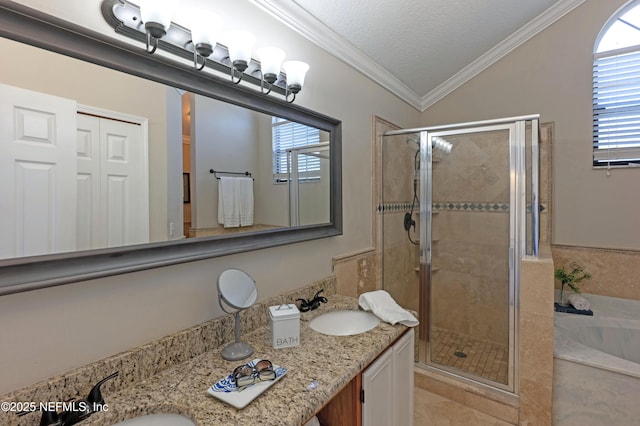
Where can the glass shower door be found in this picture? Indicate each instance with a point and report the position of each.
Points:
(309, 189)
(455, 260)
(468, 239)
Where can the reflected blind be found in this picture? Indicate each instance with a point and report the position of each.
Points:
(616, 108)
(286, 135)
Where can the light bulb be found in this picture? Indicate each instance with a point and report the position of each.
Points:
(296, 71)
(157, 15)
(205, 31)
(240, 44)
(270, 61)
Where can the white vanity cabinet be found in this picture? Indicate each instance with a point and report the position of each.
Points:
(381, 394)
(387, 386)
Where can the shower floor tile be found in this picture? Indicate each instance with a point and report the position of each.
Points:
(478, 357)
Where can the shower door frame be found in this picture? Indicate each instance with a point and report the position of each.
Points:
(293, 182)
(517, 221)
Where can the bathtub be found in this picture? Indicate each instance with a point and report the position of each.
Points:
(596, 365)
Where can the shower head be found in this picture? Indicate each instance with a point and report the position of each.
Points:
(436, 142)
(441, 144)
(413, 139)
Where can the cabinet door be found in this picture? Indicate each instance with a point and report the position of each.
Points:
(388, 386)
(403, 359)
(378, 386)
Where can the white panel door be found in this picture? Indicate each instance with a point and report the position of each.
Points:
(37, 173)
(90, 233)
(125, 189)
(112, 183)
(378, 386)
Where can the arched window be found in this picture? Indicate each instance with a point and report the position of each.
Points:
(616, 90)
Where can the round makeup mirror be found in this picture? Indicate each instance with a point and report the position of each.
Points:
(236, 289)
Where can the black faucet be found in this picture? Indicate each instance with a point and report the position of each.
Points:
(79, 410)
(310, 305)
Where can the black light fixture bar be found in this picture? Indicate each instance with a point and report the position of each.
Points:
(124, 18)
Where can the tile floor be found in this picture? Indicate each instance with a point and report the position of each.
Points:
(484, 359)
(434, 410)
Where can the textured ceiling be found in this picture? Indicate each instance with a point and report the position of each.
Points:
(424, 42)
(421, 44)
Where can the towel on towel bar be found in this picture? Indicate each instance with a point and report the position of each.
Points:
(244, 191)
(235, 201)
(384, 307)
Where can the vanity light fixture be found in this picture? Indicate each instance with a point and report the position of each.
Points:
(296, 71)
(205, 28)
(156, 16)
(151, 23)
(270, 62)
(240, 44)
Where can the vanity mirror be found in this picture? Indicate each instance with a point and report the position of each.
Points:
(158, 99)
(236, 289)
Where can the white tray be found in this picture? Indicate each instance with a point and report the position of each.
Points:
(226, 391)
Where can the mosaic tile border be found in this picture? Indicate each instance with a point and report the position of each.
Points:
(633, 252)
(470, 206)
(453, 206)
(394, 207)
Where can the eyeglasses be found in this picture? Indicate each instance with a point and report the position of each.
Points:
(245, 375)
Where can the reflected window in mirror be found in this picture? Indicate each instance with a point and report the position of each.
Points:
(288, 135)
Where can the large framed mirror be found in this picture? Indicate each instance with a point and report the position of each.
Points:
(147, 152)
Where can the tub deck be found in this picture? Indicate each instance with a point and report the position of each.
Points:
(591, 386)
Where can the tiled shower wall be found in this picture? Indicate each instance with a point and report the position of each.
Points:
(614, 273)
(401, 258)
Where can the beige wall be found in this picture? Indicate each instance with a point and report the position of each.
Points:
(551, 75)
(53, 330)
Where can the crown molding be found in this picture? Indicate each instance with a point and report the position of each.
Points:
(307, 25)
(515, 40)
(301, 21)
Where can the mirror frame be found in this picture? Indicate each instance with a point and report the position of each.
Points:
(26, 25)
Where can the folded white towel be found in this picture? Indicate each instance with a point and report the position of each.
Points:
(579, 302)
(384, 307)
(235, 201)
(244, 193)
(228, 208)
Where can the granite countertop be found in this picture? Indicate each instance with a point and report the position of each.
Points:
(332, 361)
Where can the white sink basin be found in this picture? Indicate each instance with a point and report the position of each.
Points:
(344, 323)
(158, 420)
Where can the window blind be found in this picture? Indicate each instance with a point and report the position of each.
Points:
(286, 135)
(616, 108)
